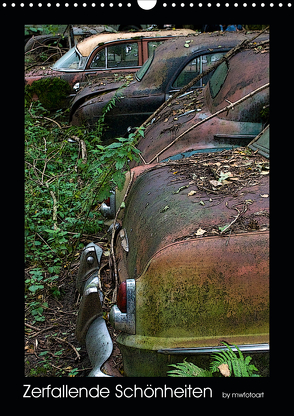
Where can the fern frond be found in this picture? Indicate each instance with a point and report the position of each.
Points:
(238, 366)
(186, 369)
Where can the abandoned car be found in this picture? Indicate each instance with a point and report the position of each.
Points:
(172, 66)
(188, 125)
(192, 258)
(104, 53)
(191, 240)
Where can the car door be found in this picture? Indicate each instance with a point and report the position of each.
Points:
(190, 70)
(124, 56)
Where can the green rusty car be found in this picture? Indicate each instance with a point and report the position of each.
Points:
(191, 248)
(193, 266)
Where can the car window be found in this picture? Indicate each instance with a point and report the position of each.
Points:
(144, 68)
(68, 61)
(196, 67)
(152, 45)
(217, 79)
(122, 55)
(99, 60)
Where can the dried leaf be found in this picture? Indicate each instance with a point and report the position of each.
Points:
(264, 195)
(200, 231)
(215, 183)
(166, 120)
(191, 193)
(224, 176)
(224, 369)
(124, 240)
(201, 203)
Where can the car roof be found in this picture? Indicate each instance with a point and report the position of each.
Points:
(86, 46)
(175, 53)
(255, 74)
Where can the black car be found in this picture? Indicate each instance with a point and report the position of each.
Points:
(172, 66)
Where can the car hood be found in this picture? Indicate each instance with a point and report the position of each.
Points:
(40, 72)
(98, 86)
(161, 210)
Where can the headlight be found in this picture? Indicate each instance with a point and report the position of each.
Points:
(76, 87)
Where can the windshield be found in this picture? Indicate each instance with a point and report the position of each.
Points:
(68, 62)
(144, 68)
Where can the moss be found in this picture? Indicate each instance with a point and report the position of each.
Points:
(51, 91)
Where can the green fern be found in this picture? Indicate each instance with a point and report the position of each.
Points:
(188, 370)
(238, 366)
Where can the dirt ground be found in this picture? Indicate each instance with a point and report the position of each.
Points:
(51, 348)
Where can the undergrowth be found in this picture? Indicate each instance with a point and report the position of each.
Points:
(68, 173)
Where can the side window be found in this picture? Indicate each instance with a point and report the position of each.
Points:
(196, 67)
(99, 60)
(152, 45)
(122, 55)
(217, 79)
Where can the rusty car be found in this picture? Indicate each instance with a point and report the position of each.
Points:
(195, 121)
(191, 239)
(173, 65)
(102, 54)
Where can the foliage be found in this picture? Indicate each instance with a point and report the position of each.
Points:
(187, 369)
(63, 191)
(239, 366)
(225, 362)
(51, 91)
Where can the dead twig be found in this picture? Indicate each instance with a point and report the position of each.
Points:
(31, 326)
(236, 217)
(39, 332)
(72, 346)
(55, 204)
(46, 118)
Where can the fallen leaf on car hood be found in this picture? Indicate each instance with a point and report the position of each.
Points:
(191, 193)
(200, 231)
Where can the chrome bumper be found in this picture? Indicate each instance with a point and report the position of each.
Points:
(91, 327)
(212, 350)
(99, 346)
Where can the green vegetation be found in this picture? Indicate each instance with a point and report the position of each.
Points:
(68, 173)
(225, 363)
(51, 91)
